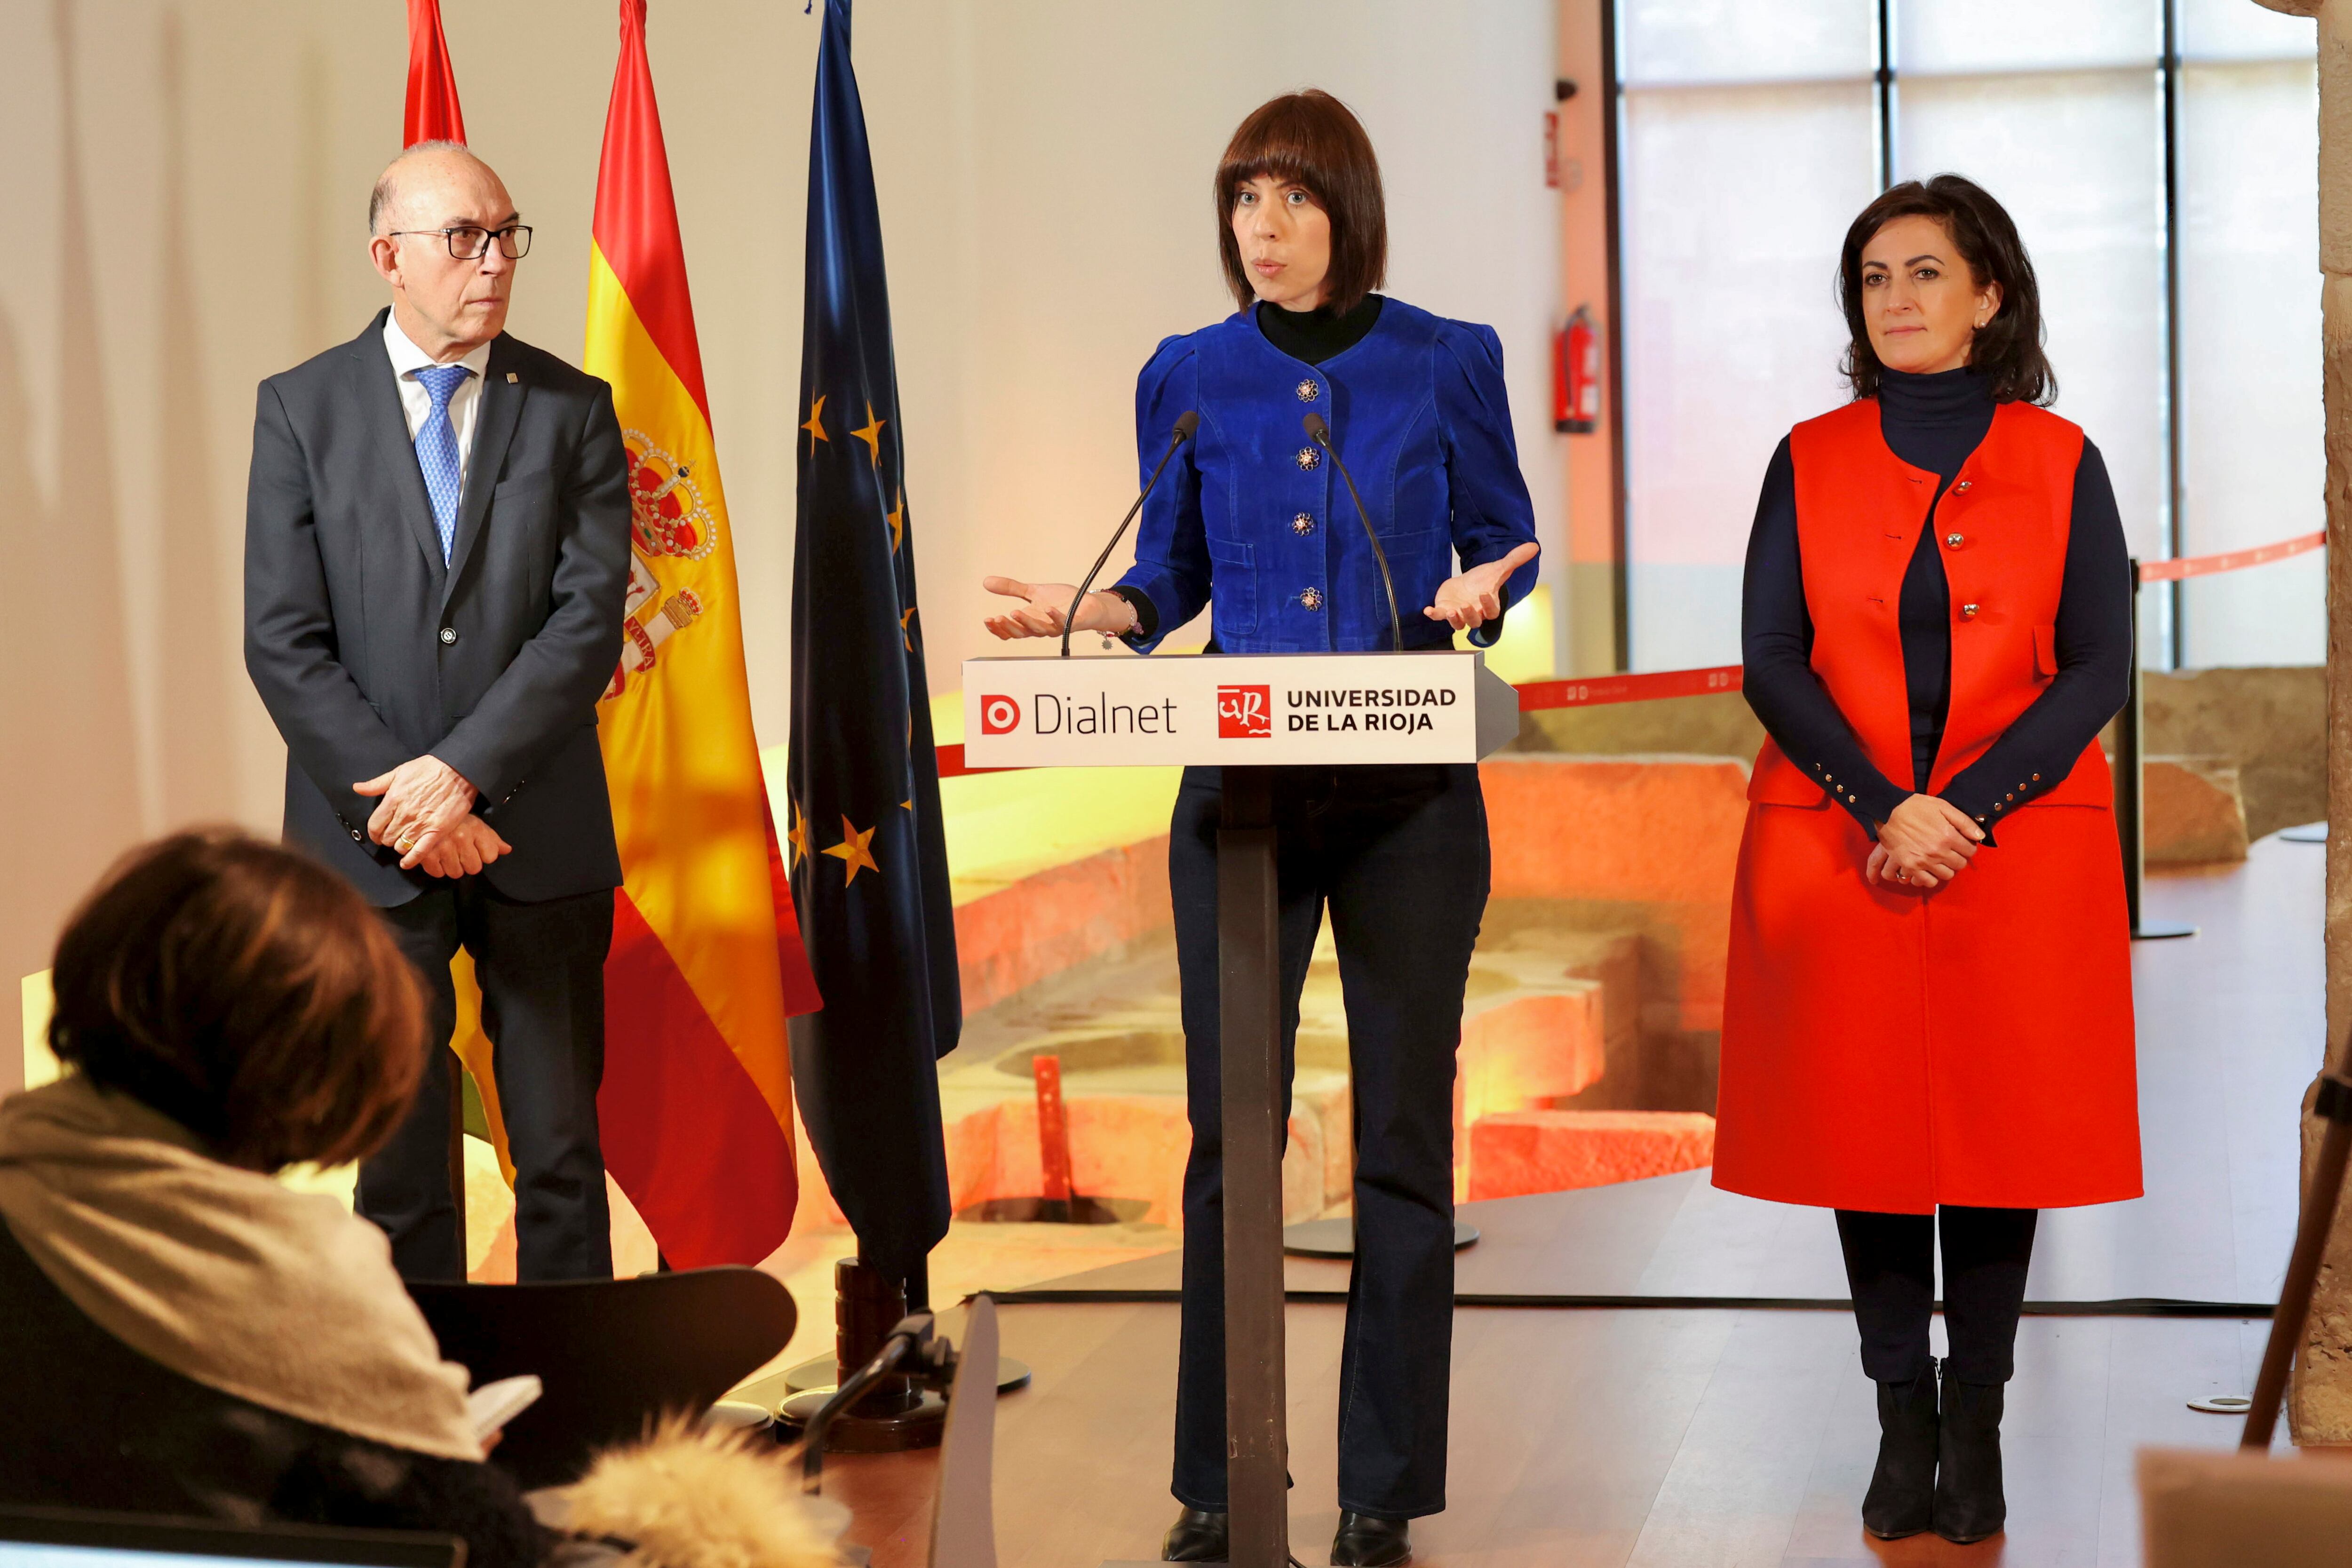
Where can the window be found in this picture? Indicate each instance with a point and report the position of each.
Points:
(2158, 156)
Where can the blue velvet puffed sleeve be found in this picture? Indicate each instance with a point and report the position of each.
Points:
(1171, 548)
(1492, 513)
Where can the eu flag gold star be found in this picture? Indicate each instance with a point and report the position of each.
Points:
(852, 851)
(799, 837)
(872, 433)
(813, 427)
(907, 629)
(897, 518)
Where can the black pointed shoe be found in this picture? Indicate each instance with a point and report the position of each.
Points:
(1968, 1501)
(1197, 1536)
(1364, 1542)
(1903, 1488)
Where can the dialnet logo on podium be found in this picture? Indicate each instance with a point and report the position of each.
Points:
(1244, 708)
(998, 715)
(1244, 713)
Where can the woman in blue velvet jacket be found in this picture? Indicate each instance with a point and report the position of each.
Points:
(1251, 521)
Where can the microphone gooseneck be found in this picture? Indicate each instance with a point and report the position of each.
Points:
(1320, 433)
(1186, 422)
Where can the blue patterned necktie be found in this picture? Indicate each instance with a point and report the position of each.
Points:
(436, 449)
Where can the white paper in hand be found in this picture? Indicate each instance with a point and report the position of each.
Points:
(493, 1405)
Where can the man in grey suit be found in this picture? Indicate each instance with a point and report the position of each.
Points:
(437, 547)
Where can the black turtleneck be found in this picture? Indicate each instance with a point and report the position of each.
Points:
(1934, 422)
(1931, 422)
(1318, 334)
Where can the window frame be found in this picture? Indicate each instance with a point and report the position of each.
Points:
(2169, 598)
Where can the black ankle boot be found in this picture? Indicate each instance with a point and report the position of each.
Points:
(1364, 1542)
(1197, 1536)
(1968, 1501)
(1903, 1487)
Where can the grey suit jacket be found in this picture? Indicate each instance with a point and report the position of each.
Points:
(368, 651)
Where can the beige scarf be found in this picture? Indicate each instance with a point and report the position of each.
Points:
(281, 1297)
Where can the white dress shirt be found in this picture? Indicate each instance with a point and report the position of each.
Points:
(415, 403)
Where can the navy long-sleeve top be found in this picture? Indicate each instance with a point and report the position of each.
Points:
(1934, 422)
(1253, 519)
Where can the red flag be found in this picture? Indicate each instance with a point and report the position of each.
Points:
(433, 114)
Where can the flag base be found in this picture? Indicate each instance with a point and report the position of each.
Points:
(920, 1425)
(822, 1372)
(898, 1413)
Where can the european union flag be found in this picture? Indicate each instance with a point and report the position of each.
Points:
(868, 853)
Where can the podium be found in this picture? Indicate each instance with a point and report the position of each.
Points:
(1247, 714)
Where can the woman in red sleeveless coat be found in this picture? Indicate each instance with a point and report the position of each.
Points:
(1929, 1009)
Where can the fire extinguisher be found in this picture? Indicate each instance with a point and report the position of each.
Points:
(1576, 375)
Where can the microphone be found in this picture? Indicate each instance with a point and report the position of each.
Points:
(1320, 434)
(1186, 422)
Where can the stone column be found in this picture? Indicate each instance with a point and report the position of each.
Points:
(2319, 1403)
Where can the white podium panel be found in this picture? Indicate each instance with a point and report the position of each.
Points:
(1234, 710)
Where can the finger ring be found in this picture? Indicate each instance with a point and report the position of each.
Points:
(404, 845)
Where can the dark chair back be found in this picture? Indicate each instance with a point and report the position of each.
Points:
(615, 1355)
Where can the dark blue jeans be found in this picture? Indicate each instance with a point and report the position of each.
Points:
(1399, 857)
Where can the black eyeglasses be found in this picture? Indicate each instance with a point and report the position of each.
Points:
(471, 241)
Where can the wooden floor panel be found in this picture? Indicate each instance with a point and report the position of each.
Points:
(1590, 1439)
(1708, 1438)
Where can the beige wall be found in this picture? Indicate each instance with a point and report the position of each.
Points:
(186, 184)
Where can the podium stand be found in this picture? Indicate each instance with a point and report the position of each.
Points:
(1246, 714)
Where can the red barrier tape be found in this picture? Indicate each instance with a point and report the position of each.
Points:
(951, 764)
(2229, 559)
(1604, 689)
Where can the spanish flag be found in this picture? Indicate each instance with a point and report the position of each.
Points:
(706, 964)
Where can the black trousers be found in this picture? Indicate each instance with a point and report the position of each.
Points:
(1891, 1267)
(541, 969)
(1399, 856)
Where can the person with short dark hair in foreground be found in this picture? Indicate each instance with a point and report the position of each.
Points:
(185, 1334)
